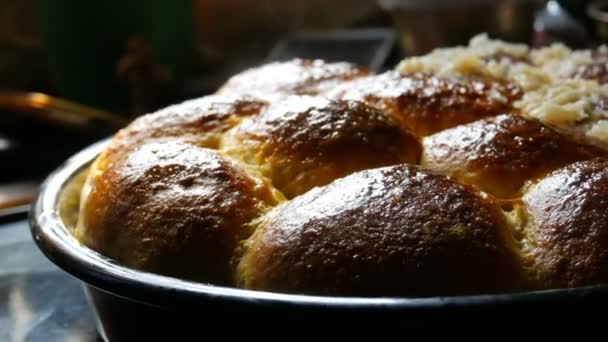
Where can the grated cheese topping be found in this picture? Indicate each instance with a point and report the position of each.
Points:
(560, 60)
(553, 93)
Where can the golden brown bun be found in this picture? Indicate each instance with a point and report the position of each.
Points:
(172, 208)
(567, 234)
(303, 142)
(293, 77)
(394, 231)
(500, 154)
(428, 104)
(201, 122)
(198, 188)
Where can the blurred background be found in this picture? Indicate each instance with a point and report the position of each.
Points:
(73, 72)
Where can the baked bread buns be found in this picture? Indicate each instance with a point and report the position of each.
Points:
(168, 202)
(294, 77)
(393, 231)
(501, 154)
(567, 226)
(428, 104)
(303, 142)
(471, 170)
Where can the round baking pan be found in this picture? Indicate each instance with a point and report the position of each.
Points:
(135, 305)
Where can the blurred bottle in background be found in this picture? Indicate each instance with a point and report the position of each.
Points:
(86, 40)
(564, 21)
(23, 61)
(428, 24)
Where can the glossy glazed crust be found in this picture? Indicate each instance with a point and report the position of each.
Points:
(303, 142)
(428, 104)
(500, 154)
(568, 226)
(201, 122)
(293, 77)
(172, 208)
(194, 189)
(395, 231)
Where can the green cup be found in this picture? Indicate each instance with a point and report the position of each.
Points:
(85, 41)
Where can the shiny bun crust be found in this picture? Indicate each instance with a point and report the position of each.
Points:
(173, 208)
(294, 77)
(428, 104)
(395, 231)
(471, 170)
(303, 142)
(567, 229)
(500, 154)
(200, 122)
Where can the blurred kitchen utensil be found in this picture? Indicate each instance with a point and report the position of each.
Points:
(598, 13)
(59, 111)
(369, 47)
(557, 23)
(16, 194)
(37, 133)
(15, 198)
(424, 25)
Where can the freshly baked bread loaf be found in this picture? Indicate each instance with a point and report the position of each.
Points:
(201, 122)
(303, 142)
(500, 154)
(394, 231)
(293, 77)
(567, 226)
(470, 170)
(427, 104)
(173, 208)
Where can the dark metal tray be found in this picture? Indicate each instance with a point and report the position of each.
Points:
(131, 304)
